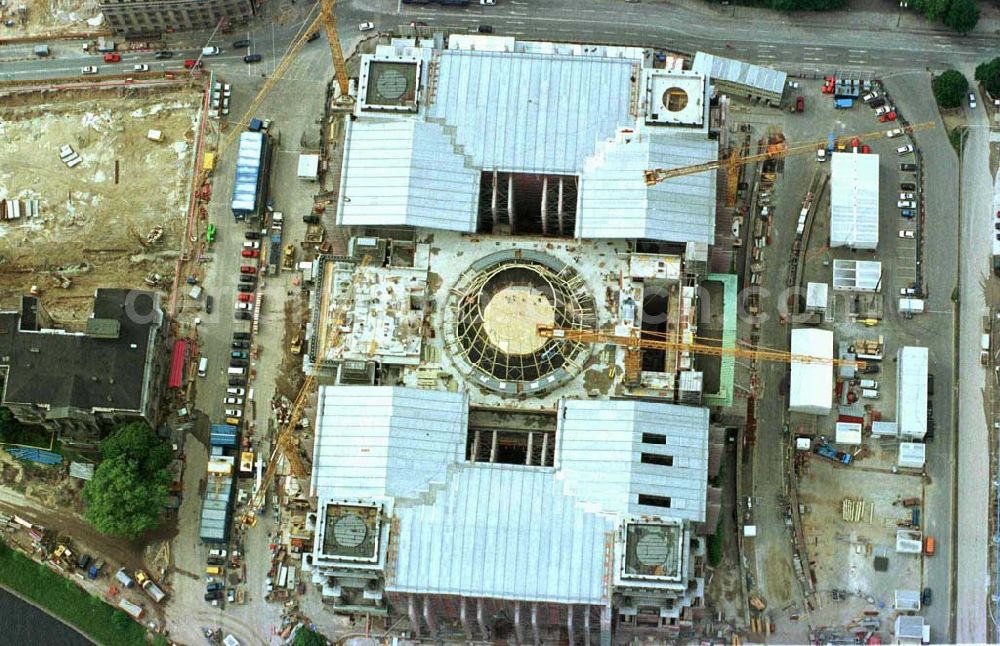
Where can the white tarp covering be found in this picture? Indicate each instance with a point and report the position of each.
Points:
(812, 383)
(857, 275)
(884, 429)
(848, 433)
(308, 167)
(911, 455)
(854, 201)
(817, 295)
(911, 391)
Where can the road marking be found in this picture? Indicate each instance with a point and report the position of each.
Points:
(764, 56)
(859, 51)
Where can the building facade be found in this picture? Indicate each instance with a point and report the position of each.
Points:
(81, 384)
(145, 18)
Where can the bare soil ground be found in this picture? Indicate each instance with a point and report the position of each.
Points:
(47, 17)
(93, 217)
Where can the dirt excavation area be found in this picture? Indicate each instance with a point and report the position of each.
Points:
(100, 201)
(21, 18)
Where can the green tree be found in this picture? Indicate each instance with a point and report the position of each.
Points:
(962, 16)
(949, 88)
(128, 490)
(307, 637)
(988, 74)
(138, 442)
(933, 10)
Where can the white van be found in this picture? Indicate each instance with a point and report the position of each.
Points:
(869, 383)
(868, 393)
(238, 372)
(203, 367)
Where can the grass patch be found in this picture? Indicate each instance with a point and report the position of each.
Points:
(61, 597)
(955, 137)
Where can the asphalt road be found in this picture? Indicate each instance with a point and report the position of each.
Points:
(971, 562)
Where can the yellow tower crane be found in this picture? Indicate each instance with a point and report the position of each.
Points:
(660, 341)
(777, 150)
(286, 443)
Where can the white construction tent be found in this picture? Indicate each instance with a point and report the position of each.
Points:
(854, 201)
(812, 381)
(911, 455)
(848, 433)
(911, 392)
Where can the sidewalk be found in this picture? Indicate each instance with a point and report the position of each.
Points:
(871, 15)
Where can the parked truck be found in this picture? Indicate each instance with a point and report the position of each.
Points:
(95, 569)
(843, 104)
(151, 588)
(122, 576)
(830, 453)
(135, 611)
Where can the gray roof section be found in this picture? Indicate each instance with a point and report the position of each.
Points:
(616, 203)
(733, 71)
(376, 441)
(522, 112)
(502, 531)
(406, 172)
(600, 448)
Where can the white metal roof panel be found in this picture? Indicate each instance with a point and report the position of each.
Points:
(912, 455)
(377, 441)
(854, 201)
(811, 383)
(406, 173)
(911, 393)
(739, 72)
(501, 531)
(857, 275)
(616, 203)
(521, 112)
(593, 435)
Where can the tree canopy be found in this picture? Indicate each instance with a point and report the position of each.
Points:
(988, 74)
(950, 88)
(962, 16)
(128, 490)
(306, 637)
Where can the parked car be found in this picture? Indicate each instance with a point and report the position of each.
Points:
(245, 298)
(140, 68)
(906, 233)
(243, 336)
(926, 597)
(240, 345)
(89, 69)
(905, 150)
(885, 109)
(209, 303)
(238, 363)
(214, 595)
(215, 585)
(163, 55)
(234, 412)
(244, 306)
(366, 26)
(800, 103)
(239, 44)
(112, 58)
(972, 100)
(909, 168)
(245, 287)
(907, 213)
(252, 235)
(248, 269)
(908, 186)
(242, 315)
(239, 354)
(930, 384)
(887, 117)
(906, 204)
(250, 253)
(231, 595)
(487, 3)
(251, 58)
(895, 132)
(485, 29)
(236, 391)
(868, 97)
(906, 196)
(248, 278)
(251, 244)
(238, 381)
(233, 401)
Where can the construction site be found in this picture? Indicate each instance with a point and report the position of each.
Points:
(39, 18)
(94, 191)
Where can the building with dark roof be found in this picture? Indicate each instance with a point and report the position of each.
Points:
(81, 383)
